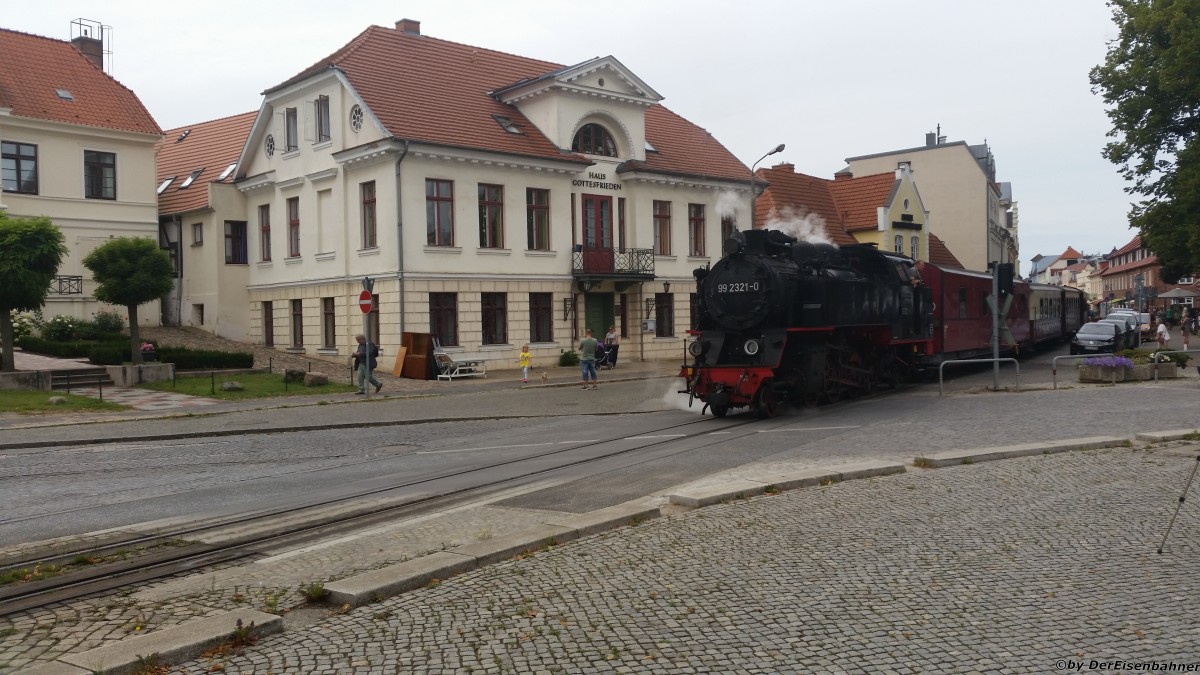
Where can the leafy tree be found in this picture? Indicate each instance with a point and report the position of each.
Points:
(130, 271)
(1150, 81)
(31, 249)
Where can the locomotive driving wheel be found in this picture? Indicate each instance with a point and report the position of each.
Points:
(766, 402)
(719, 410)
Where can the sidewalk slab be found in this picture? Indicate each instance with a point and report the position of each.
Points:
(602, 520)
(502, 548)
(171, 645)
(953, 457)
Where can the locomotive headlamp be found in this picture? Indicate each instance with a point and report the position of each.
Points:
(696, 348)
(751, 347)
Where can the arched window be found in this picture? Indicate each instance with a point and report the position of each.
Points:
(594, 139)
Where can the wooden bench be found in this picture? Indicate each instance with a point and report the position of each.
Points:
(448, 368)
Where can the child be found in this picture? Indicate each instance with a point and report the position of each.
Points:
(526, 361)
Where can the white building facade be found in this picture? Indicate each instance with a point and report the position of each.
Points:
(520, 203)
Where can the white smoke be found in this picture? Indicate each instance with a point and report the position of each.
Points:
(729, 205)
(809, 227)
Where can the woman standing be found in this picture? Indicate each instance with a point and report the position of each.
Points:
(612, 342)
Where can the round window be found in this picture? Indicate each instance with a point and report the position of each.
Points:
(356, 117)
(269, 145)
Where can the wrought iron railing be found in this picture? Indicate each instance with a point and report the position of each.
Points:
(637, 262)
(66, 285)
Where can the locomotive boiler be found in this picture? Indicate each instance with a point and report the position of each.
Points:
(785, 319)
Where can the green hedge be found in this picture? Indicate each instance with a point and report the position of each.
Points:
(69, 350)
(190, 359)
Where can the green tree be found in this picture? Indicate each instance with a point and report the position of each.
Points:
(1150, 82)
(130, 271)
(31, 249)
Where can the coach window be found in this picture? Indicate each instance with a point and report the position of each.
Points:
(962, 303)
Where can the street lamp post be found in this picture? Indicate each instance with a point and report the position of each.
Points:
(753, 196)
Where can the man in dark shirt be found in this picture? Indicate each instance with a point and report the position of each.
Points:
(587, 358)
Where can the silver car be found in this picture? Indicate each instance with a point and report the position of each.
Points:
(1129, 330)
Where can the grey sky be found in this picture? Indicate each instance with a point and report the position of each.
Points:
(830, 79)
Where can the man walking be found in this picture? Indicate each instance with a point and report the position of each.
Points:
(364, 364)
(587, 358)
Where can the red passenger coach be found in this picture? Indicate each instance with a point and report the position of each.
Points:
(962, 327)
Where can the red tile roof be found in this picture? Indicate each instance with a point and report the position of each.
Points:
(211, 146)
(1070, 254)
(433, 91)
(35, 67)
(793, 195)
(1133, 245)
(940, 254)
(859, 199)
(1149, 261)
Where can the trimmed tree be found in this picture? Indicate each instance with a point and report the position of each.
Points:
(130, 271)
(1150, 81)
(31, 250)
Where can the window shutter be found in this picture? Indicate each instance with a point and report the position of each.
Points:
(310, 121)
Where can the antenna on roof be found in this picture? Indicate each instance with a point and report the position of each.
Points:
(93, 39)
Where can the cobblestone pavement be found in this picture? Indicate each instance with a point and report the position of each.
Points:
(999, 567)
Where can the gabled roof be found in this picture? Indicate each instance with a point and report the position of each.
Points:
(36, 68)
(796, 195)
(1070, 254)
(940, 254)
(1148, 261)
(1042, 262)
(427, 90)
(859, 199)
(207, 146)
(1133, 245)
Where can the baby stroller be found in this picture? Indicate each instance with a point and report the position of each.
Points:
(604, 357)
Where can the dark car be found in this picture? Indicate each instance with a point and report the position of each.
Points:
(1097, 337)
(1129, 330)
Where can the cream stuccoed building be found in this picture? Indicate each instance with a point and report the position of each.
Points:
(493, 200)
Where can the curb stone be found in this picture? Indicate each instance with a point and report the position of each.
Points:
(955, 457)
(757, 485)
(177, 644)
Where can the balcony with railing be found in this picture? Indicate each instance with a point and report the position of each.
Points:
(603, 264)
(66, 285)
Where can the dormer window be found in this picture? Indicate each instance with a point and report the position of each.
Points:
(191, 179)
(594, 139)
(165, 184)
(228, 170)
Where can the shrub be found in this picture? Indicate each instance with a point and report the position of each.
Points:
(109, 354)
(191, 359)
(72, 349)
(108, 321)
(568, 358)
(61, 328)
(26, 323)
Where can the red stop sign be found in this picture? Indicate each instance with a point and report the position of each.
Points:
(365, 303)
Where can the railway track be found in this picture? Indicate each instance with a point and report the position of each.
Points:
(183, 549)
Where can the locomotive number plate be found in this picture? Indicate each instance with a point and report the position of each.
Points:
(740, 287)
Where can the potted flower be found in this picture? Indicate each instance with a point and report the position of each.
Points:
(148, 353)
(1104, 368)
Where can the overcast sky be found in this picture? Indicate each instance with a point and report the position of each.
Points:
(830, 79)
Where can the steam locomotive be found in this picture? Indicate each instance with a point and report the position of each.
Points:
(782, 319)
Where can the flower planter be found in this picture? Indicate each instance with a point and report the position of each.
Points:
(1102, 374)
(1145, 371)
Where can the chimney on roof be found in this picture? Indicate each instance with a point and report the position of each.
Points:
(88, 37)
(930, 139)
(784, 166)
(409, 26)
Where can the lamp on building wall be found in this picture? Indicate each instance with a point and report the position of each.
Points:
(753, 196)
(666, 287)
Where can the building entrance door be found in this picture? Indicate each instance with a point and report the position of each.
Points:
(599, 314)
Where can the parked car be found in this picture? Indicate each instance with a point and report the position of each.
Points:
(1142, 319)
(1129, 330)
(1096, 337)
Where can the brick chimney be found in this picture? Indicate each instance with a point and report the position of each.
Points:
(409, 26)
(92, 48)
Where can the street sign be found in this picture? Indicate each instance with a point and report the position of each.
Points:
(365, 303)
